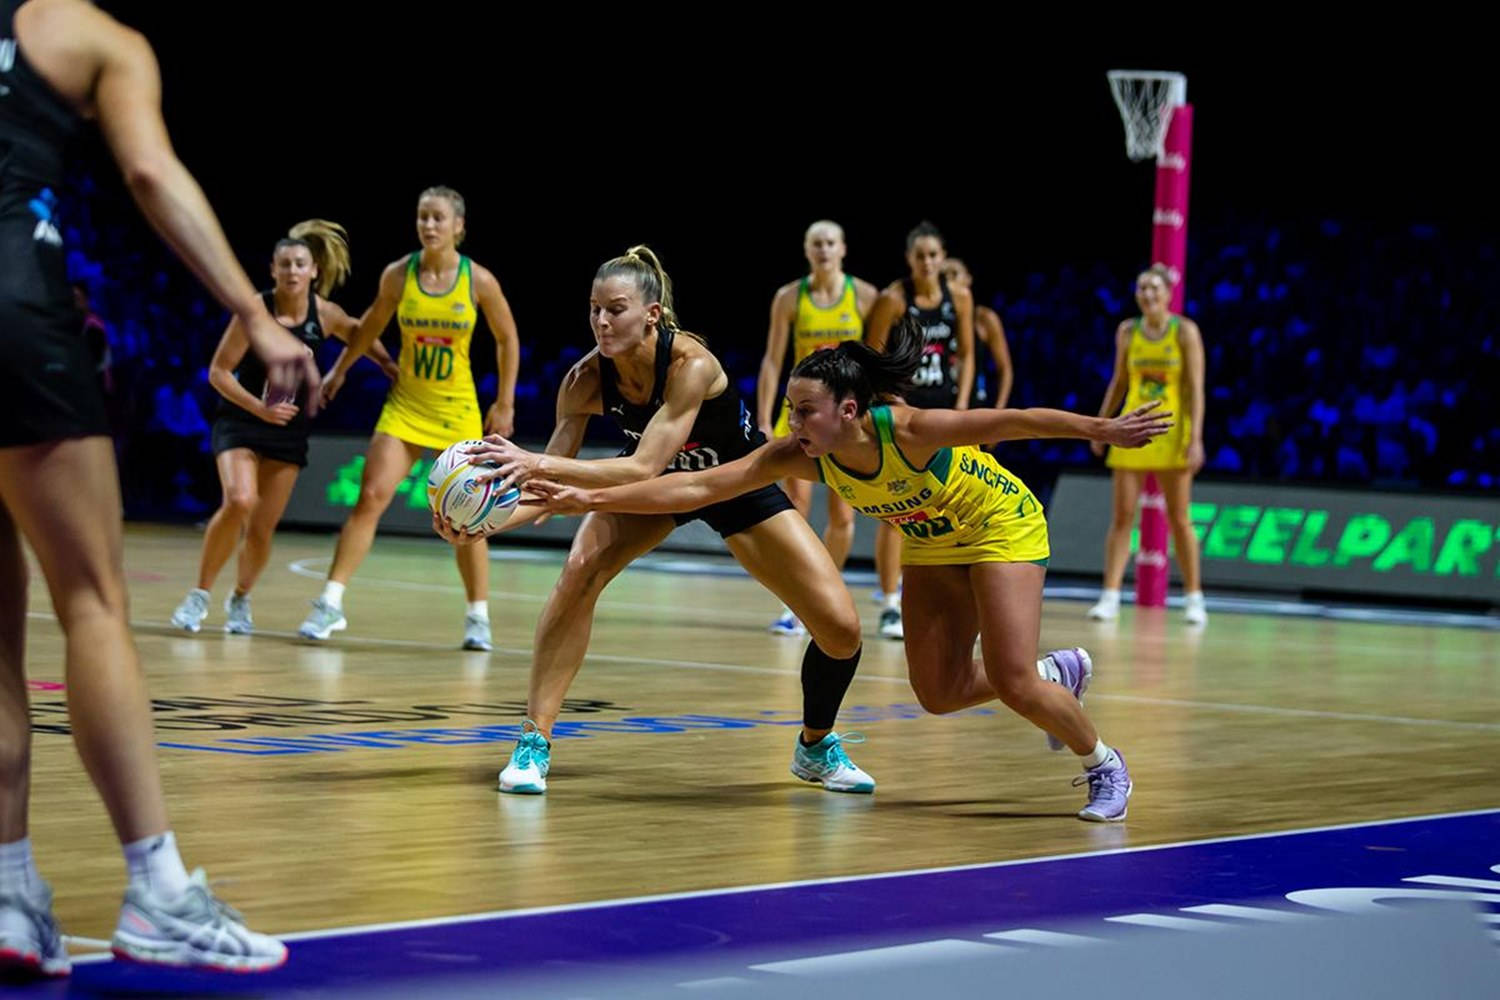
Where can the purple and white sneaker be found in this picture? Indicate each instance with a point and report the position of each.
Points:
(1109, 790)
(1074, 670)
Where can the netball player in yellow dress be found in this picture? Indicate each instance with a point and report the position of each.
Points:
(434, 294)
(974, 538)
(822, 309)
(1158, 357)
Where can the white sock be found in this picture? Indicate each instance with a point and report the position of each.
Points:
(893, 602)
(1100, 754)
(154, 863)
(480, 609)
(1194, 597)
(333, 594)
(1048, 668)
(199, 590)
(1110, 594)
(18, 872)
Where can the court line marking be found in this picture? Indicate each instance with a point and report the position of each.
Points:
(300, 567)
(649, 661)
(1311, 713)
(771, 886)
(303, 568)
(840, 880)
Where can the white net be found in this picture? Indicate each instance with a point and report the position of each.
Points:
(1146, 100)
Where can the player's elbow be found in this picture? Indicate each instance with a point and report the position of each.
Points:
(646, 467)
(146, 174)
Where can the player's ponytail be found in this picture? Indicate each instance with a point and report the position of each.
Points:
(643, 267)
(855, 369)
(328, 244)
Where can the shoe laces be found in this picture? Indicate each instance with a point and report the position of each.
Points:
(219, 912)
(834, 750)
(531, 746)
(1101, 779)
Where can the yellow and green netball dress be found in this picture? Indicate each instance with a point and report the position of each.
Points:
(963, 507)
(1155, 373)
(818, 329)
(433, 402)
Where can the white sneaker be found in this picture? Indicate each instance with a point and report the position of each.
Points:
(195, 929)
(476, 633)
(1107, 609)
(323, 621)
(191, 612)
(788, 625)
(30, 943)
(1194, 612)
(237, 620)
(890, 624)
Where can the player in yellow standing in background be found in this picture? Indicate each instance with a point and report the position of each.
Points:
(434, 294)
(1158, 358)
(820, 310)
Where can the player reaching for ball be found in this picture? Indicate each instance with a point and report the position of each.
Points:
(434, 294)
(680, 410)
(974, 538)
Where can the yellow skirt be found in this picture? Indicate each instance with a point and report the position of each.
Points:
(430, 423)
(1016, 538)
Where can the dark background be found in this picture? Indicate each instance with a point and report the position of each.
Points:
(717, 135)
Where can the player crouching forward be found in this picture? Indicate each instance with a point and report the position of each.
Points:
(975, 543)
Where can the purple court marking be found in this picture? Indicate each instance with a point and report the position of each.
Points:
(736, 929)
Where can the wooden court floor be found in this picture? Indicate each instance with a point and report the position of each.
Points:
(353, 782)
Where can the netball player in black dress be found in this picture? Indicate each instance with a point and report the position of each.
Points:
(61, 62)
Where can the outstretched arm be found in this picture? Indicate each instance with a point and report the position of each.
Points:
(681, 491)
(928, 430)
(663, 438)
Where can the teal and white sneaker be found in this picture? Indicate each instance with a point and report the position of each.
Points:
(526, 774)
(237, 619)
(323, 621)
(191, 612)
(826, 763)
